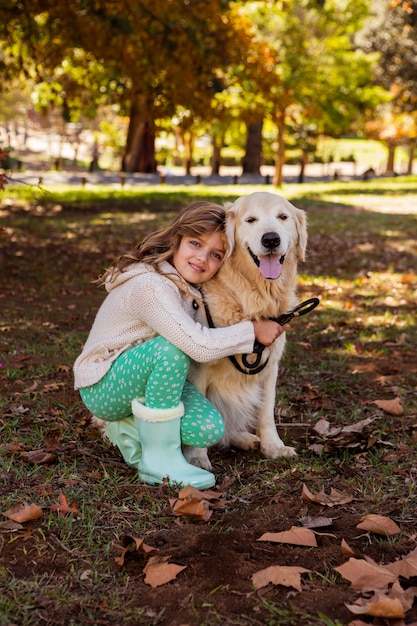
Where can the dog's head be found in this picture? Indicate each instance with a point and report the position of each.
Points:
(267, 228)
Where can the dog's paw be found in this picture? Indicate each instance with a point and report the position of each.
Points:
(245, 441)
(287, 451)
(197, 457)
(276, 452)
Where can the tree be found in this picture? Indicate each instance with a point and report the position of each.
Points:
(393, 35)
(317, 76)
(152, 56)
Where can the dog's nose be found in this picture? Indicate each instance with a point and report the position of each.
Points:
(271, 240)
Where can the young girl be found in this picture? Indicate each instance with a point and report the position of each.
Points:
(132, 371)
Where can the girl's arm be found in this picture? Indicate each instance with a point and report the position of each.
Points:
(160, 305)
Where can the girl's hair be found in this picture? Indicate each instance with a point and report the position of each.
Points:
(194, 220)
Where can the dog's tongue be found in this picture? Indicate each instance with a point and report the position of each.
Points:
(270, 266)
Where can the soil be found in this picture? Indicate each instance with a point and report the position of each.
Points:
(220, 555)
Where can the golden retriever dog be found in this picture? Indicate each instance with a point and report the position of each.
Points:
(268, 237)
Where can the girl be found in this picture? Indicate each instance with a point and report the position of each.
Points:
(132, 371)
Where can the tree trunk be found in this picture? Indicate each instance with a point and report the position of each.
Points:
(303, 163)
(253, 150)
(391, 158)
(280, 153)
(216, 155)
(139, 153)
(411, 149)
(188, 139)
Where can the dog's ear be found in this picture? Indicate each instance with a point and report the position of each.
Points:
(230, 225)
(301, 223)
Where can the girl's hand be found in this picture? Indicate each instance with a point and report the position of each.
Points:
(266, 331)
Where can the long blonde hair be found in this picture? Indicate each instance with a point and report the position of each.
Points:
(194, 220)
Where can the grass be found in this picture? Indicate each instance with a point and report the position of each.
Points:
(356, 348)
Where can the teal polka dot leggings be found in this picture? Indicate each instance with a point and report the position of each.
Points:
(155, 370)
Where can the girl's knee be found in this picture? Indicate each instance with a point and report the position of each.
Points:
(216, 430)
(202, 432)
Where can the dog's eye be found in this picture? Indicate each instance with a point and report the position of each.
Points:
(250, 220)
(283, 216)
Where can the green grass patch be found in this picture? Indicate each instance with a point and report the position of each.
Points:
(355, 349)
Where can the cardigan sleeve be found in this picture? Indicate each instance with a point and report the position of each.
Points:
(158, 302)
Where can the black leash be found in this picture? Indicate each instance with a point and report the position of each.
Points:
(255, 366)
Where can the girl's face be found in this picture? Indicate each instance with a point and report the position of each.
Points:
(198, 258)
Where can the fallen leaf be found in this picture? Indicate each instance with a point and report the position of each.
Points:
(335, 498)
(63, 506)
(355, 435)
(379, 524)
(158, 572)
(213, 497)
(10, 525)
(196, 494)
(24, 513)
(195, 509)
(296, 536)
(348, 551)
(39, 457)
(131, 544)
(51, 387)
(392, 407)
(405, 567)
(192, 503)
(315, 522)
(288, 576)
(322, 427)
(378, 606)
(363, 575)
(63, 368)
(405, 596)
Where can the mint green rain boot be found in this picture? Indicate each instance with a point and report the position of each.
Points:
(124, 435)
(159, 434)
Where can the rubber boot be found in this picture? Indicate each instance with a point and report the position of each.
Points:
(124, 435)
(159, 434)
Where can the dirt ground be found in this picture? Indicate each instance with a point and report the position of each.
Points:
(221, 555)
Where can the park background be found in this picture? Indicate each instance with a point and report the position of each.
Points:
(132, 87)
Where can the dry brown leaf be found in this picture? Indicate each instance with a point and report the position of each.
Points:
(405, 596)
(288, 576)
(405, 567)
(63, 506)
(132, 544)
(51, 387)
(363, 575)
(24, 513)
(315, 522)
(335, 498)
(158, 572)
(379, 524)
(296, 536)
(39, 457)
(348, 551)
(392, 407)
(192, 493)
(196, 494)
(197, 509)
(378, 606)
(322, 427)
(10, 525)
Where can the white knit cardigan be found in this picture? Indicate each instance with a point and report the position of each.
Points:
(141, 304)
